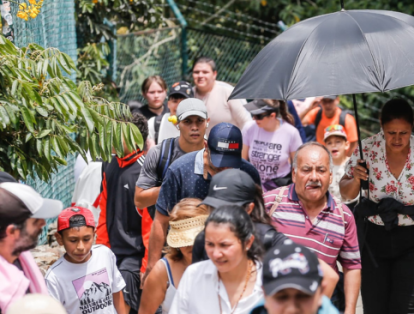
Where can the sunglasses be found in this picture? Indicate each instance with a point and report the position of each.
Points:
(261, 116)
(335, 127)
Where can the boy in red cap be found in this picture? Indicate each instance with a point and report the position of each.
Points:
(85, 279)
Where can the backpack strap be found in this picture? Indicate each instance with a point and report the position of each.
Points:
(318, 118)
(342, 117)
(157, 124)
(167, 148)
(277, 200)
(338, 203)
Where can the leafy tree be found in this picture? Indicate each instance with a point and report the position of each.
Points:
(41, 110)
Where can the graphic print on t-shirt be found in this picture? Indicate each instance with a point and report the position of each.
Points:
(265, 157)
(94, 291)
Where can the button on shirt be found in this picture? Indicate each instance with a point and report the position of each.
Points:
(184, 178)
(382, 182)
(329, 236)
(199, 292)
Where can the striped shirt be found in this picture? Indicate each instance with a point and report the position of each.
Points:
(330, 236)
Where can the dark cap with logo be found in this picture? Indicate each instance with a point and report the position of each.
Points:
(259, 106)
(225, 143)
(290, 265)
(182, 88)
(230, 187)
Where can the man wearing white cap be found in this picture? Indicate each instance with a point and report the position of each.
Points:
(22, 216)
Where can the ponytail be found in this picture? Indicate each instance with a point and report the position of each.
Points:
(281, 108)
(284, 112)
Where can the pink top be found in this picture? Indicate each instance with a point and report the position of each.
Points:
(269, 152)
(14, 283)
(329, 236)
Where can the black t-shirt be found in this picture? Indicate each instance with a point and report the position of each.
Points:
(147, 113)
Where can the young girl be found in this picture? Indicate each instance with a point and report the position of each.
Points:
(230, 282)
(186, 221)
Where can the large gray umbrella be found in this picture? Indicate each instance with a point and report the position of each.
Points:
(345, 52)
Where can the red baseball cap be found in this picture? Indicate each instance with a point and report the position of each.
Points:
(66, 214)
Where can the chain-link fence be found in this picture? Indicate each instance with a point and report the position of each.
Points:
(53, 27)
(140, 55)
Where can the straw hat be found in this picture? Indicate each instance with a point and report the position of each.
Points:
(183, 232)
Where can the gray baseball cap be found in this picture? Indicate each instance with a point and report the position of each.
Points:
(191, 107)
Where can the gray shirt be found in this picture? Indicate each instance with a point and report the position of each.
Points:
(148, 177)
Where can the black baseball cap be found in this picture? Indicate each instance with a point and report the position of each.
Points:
(225, 143)
(182, 88)
(291, 265)
(230, 187)
(258, 106)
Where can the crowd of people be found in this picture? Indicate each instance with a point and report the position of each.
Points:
(231, 207)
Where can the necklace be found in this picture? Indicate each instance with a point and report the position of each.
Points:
(248, 275)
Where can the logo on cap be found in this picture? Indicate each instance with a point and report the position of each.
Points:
(218, 188)
(284, 266)
(227, 145)
(175, 84)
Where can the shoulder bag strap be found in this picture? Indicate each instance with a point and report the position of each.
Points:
(277, 200)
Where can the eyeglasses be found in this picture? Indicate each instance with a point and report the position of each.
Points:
(334, 127)
(261, 116)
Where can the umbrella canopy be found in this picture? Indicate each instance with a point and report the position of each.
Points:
(346, 52)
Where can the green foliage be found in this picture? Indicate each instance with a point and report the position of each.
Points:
(101, 19)
(41, 109)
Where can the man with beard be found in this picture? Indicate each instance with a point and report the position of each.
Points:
(307, 213)
(22, 216)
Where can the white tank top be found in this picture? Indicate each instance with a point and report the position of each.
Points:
(169, 295)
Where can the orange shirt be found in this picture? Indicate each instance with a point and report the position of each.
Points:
(350, 124)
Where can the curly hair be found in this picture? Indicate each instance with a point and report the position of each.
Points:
(141, 123)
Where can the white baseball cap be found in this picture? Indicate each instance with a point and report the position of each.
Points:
(191, 107)
(39, 207)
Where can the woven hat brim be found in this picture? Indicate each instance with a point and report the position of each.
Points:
(182, 238)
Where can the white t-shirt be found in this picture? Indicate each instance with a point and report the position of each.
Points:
(220, 110)
(199, 290)
(167, 129)
(87, 287)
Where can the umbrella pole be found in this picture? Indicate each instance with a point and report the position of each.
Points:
(364, 184)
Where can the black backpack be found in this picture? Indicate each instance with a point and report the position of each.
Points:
(310, 130)
(157, 124)
(167, 149)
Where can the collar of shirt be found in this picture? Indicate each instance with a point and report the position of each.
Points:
(211, 271)
(199, 162)
(293, 196)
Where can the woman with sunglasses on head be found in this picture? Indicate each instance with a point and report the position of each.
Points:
(186, 220)
(230, 281)
(270, 142)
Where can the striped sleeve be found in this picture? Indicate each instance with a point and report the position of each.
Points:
(349, 256)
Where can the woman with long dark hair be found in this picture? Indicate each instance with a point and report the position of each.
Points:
(386, 213)
(230, 281)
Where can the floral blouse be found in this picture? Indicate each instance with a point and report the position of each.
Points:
(382, 182)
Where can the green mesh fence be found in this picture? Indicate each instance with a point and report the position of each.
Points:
(53, 27)
(142, 54)
(159, 52)
(232, 55)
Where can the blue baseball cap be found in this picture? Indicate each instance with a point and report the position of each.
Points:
(225, 143)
